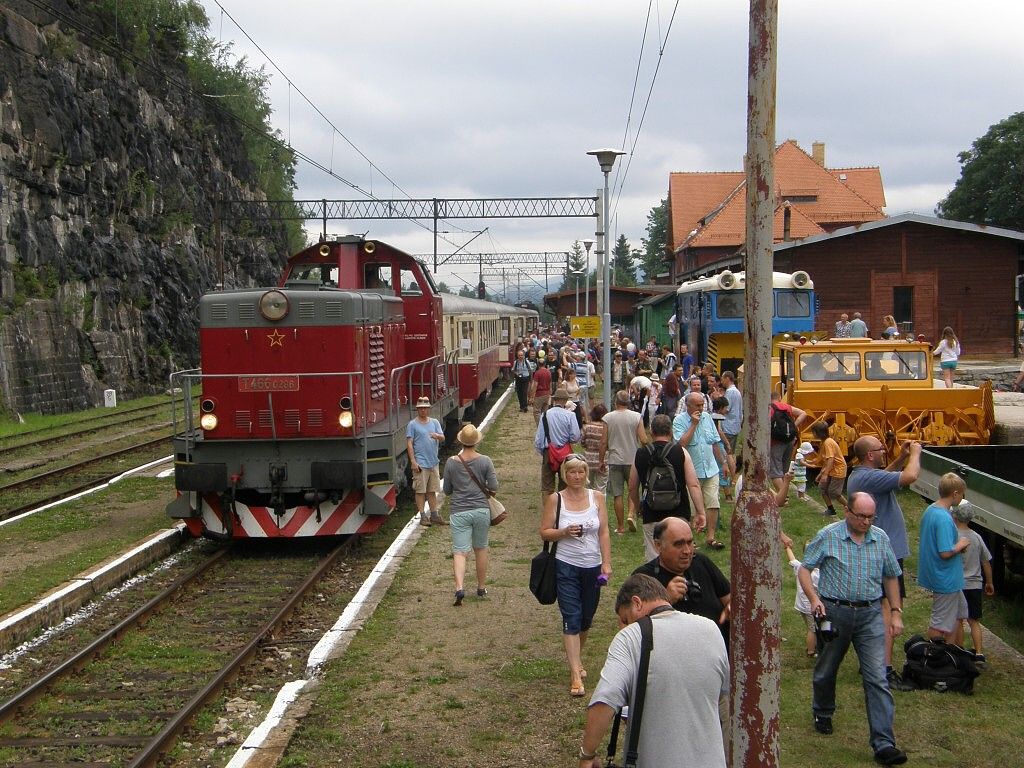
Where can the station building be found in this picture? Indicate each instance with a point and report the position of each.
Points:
(925, 271)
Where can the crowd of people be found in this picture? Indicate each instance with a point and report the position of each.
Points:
(667, 454)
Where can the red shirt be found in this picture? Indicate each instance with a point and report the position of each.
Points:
(542, 378)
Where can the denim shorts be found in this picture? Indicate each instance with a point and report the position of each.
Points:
(578, 594)
(469, 529)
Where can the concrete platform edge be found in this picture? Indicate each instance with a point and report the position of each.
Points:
(61, 602)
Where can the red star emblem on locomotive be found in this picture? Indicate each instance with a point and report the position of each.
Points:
(276, 339)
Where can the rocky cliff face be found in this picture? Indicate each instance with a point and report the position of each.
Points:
(108, 187)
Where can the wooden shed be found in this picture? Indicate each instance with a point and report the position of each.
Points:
(926, 272)
(651, 316)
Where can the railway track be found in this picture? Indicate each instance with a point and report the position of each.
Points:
(14, 442)
(124, 699)
(44, 478)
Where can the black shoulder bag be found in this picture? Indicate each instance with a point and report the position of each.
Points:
(542, 567)
(637, 711)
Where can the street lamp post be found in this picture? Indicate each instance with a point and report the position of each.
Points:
(606, 159)
(587, 244)
(577, 274)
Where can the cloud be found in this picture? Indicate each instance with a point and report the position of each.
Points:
(460, 98)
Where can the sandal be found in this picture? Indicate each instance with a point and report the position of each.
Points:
(459, 597)
(481, 592)
(715, 544)
(583, 674)
(577, 689)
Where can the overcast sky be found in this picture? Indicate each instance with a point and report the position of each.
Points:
(461, 98)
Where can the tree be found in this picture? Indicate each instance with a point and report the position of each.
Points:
(990, 189)
(442, 287)
(577, 263)
(653, 257)
(467, 291)
(623, 267)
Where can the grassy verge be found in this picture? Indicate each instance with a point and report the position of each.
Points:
(67, 539)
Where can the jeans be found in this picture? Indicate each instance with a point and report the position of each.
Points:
(578, 594)
(863, 627)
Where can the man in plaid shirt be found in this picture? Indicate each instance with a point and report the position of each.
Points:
(857, 566)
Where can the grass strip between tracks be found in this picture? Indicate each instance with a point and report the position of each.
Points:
(65, 540)
(37, 421)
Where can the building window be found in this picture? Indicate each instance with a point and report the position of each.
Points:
(903, 304)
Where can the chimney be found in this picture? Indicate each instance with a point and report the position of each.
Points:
(818, 152)
(787, 219)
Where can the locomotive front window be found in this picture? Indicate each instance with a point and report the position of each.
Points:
(793, 303)
(896, 365)
(377, 277)
(729, 305)
(324, 274)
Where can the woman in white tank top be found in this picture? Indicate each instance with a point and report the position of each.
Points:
(583, 559)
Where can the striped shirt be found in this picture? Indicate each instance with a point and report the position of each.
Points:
(851, 571)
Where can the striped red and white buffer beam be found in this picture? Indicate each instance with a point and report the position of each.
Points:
(346, 517)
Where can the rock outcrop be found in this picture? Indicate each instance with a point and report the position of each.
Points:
(109, 182)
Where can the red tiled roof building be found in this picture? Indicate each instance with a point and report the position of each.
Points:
(707, 210)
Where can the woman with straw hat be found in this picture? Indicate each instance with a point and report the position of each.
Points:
(470, 517)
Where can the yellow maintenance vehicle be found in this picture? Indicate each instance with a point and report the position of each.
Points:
(881, 388)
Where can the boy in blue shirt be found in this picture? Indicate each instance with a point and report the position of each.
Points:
(939, 566)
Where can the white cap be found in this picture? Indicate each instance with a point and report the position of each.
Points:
(805, 448)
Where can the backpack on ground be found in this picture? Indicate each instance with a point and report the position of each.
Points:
(662, 487)
(938, 666)
(783, 428)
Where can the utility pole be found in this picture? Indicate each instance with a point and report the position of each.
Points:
(756, 568)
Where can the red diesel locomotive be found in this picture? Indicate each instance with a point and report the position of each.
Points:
(305, 391)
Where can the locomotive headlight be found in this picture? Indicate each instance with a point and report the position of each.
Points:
(345, 420)
(208, 421)
(273, 305)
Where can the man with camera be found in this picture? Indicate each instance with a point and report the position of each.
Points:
(857, 567)
(687, 677)
(694, 583)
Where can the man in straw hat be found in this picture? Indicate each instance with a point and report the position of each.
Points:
(423, 436)
(558, 427)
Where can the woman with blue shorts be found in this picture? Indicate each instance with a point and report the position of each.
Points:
(470, 517)
(583, 559)
(948, 352)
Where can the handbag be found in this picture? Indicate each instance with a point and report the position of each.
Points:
(498, 511)
(556, 454)
(542, 567)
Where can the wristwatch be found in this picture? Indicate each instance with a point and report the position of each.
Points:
(585, 756)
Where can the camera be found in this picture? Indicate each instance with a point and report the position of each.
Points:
(693, 591)
(825, 630)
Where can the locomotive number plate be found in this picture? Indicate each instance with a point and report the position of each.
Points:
(268, 383)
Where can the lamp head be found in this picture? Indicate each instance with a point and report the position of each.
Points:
(588, 244)
(606, 158)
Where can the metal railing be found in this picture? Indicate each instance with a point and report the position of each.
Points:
(420, 379)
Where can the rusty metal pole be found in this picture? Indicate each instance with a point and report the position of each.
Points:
(756, 568)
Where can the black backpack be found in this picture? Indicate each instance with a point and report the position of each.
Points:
(938, 666)
(662, 487)
(783, 428)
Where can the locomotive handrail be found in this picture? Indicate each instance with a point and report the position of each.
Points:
(429, 389)
(187, 379)
(186, 405)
